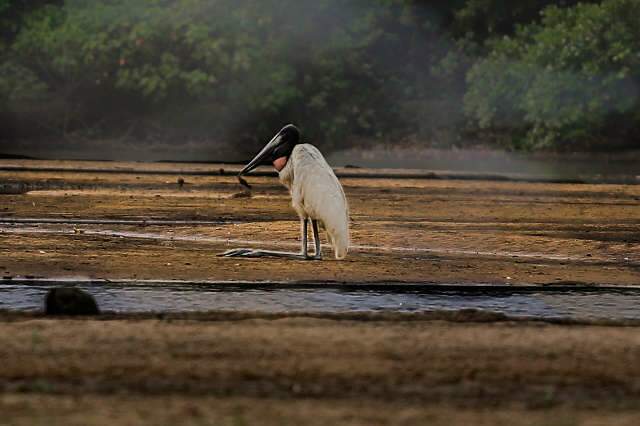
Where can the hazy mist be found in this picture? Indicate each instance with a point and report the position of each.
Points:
(212, 80)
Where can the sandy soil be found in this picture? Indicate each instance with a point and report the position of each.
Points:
(417, 230)
(246, 369)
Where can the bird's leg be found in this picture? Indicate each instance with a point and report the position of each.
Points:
(247, 252)
(316, 239)
(304, 224)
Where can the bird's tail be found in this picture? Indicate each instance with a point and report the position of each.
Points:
(338, 232)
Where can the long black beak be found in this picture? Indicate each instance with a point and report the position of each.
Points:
(257, 160)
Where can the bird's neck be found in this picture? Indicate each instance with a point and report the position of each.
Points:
(285, 173)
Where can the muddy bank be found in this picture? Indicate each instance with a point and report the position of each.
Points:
(464, 367)
(453, 316)
(144, 226)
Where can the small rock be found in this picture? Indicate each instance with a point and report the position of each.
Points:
(70, 301)
(180, 182)
(243, 194)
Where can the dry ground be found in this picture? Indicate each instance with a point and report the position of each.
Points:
(257, 369)
(270, 370)
(416, 230)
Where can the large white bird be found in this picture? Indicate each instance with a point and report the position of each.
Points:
(316, 194)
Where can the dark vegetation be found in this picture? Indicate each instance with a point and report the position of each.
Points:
(534, 74)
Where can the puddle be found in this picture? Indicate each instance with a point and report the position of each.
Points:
(191, 297)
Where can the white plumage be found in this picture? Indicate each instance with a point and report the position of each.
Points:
(317, 194)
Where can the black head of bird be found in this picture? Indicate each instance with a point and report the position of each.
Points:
(280, 146)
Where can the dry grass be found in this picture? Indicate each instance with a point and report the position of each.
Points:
(283, 371)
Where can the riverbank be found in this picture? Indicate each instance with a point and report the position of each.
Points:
(132, 223)
(243, 368)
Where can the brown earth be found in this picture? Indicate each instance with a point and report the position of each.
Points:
(302, 370)
(462, 368)
(415, 230)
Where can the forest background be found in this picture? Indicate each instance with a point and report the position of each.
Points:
(531, 75)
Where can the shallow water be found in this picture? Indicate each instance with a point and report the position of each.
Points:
(187, 297)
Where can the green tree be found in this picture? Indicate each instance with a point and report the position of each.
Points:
(569, 82)
(486, 19)
(199, 68)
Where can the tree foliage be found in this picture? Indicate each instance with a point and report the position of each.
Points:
(571, 80)
(199, 68)
(235, 70)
